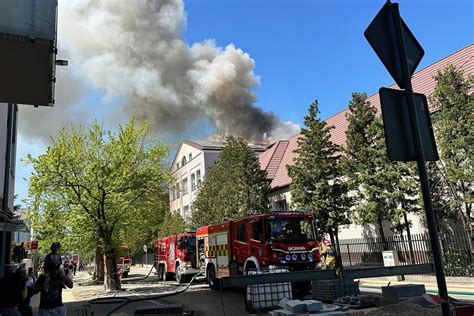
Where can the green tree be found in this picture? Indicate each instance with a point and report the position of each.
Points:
(92, 187)
(317, 180)
(234, 187)
(371, 176)
(172, 224)
(454, 131)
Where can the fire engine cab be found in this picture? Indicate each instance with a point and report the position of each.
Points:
(175, 256)
(282, 238)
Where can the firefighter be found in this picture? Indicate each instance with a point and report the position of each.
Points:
(327, 254)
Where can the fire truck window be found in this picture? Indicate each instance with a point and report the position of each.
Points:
(241, 232)
(257, 230)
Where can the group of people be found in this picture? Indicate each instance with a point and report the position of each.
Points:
(18, 287)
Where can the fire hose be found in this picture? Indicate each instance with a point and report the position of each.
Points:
(123, 300)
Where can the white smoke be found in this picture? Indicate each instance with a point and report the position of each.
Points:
(134, 52)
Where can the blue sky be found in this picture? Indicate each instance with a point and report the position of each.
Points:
(306, 50)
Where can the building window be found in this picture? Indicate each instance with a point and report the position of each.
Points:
(198, 178)
(172, 196)
(186, 212)
(177, 166)
(177, 191)
(193, 182)
(190, 156)
(185, 185)
(183, 161)
(281, 205)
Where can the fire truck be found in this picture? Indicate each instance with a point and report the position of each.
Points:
(123, 261)
(175, 256)
(282, 238)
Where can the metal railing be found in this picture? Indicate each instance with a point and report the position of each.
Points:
(367, 252)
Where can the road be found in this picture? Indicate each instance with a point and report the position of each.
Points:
(85, 299)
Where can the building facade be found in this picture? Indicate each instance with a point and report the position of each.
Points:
(281, 154)
(189, 168)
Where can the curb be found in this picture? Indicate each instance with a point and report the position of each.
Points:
(427, 290)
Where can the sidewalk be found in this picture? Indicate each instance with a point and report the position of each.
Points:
(462, 286)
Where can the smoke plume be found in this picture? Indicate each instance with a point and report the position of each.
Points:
(135, 53)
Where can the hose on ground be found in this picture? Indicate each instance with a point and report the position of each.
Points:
(123, 300)
(127, 280)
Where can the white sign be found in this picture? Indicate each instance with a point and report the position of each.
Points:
(145, 248)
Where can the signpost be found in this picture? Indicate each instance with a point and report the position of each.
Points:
(401, 53)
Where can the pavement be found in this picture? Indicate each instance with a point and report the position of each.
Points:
(85, 299)
(461, 288)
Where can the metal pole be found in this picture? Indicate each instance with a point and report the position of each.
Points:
(420, 161)
(6, 187)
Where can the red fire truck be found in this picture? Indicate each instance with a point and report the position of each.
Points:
(176, 256)
(123, 261)
(283, 238)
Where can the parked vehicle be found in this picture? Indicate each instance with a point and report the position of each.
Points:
(124, 261)
(123, 265)
(282, 238)
(175, 257)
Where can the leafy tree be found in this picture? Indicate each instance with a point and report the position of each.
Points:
(91, 188)
(371, 176)
(317, 181)
(172, 224)
(234, 187)
(454, 131)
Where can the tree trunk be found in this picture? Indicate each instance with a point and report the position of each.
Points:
(382, 234)
(99, 265)
(338, 251)
(410, 243)
(112, 279)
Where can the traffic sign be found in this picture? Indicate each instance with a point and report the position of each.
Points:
(145, 248)
(381, 35)
(398, 132)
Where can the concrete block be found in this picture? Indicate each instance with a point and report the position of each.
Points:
(282, 302)
(404, 290)
(296, 306)
(313, 305)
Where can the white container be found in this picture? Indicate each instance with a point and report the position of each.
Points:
(262, 296)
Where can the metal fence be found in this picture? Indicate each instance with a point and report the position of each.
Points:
(455, 248)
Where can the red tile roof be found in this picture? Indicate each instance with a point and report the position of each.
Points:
(423, 82)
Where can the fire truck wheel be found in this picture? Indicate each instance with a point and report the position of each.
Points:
(211, 278)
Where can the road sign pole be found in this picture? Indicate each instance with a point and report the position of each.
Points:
(420, 160)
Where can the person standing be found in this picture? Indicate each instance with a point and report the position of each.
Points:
(50, 285)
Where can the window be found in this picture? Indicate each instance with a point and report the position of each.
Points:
(257, 230)
(177, 191)
(177, 166)
(281, 205)
(190, 156)
(241, 232)
(185, 212)
(185, 185)
(198, 178)
(183, 161)
(193, 182)
(172, 195)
